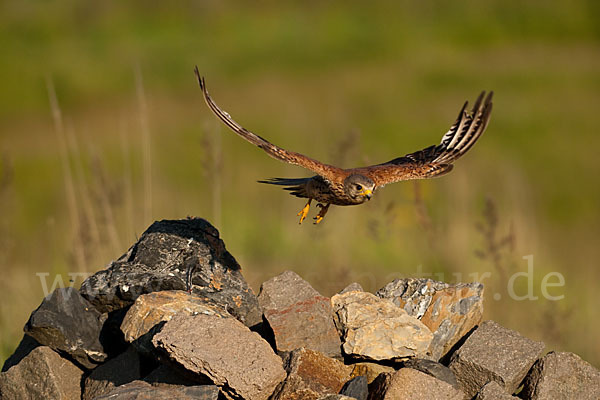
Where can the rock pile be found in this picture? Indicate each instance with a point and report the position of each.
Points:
(174, 318)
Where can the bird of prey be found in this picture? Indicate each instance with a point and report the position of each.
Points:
(346, 187)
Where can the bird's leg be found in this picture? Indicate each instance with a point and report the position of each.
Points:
(322, 213)
(304, 212)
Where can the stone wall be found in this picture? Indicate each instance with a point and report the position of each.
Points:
(174, 318)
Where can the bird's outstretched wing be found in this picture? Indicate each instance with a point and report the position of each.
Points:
(328, 172)
(436, 160)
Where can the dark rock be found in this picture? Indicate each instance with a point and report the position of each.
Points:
(410, 384)
(370, 370)
(237, 360)
(298, 315)
(111, 336)
(434, 369)
(559, 376)
(494, 353)
(379, 386)
(162, 259)
(376, 329)
(493, 391)
(357, 388)
(115, 372)
(42, 374)
(69, 324)
(150, 311)
(165, 375)
(25, 346)
(449, 311)
(311, 375)
(140, 390)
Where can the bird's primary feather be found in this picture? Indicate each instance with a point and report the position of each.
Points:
(333, 185)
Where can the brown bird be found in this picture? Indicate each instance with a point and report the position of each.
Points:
(346, 187)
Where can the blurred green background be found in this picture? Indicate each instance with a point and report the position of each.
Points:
(350, 83)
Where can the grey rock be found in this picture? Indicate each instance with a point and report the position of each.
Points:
(150, 311)
(412, 294)
(225, 351)
(198, 392)
(69, 324)
(311, 375)
(335, 397)
(140, 390)
(161, 260)
(115, 372)
(356, 388)
(493, 391)
(494, 353)
(410, 384)
(353, 287)
(376, 329)
(25, 346)
(42, 374)
(434, 369)
(562, 375)
(449, 311)
(298, 315)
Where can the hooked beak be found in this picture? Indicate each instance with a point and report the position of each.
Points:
(367, 193)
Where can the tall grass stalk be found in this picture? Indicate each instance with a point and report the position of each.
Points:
(103, 188)
(85, 205)
(146, 143)
(127, 179)
(74, 216)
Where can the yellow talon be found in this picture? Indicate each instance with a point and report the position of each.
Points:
(304, 212)
(322, 213)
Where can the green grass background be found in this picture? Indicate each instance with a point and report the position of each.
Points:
(349, 82)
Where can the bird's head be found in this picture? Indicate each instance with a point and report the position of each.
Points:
(359, 188)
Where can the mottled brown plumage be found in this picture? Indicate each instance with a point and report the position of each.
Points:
(344, 187)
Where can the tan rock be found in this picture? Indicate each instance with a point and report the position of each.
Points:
(494, 353)
(370, 370)
(298, 315)
(27, 344)
(562, 375)
(433, 368)
(42, 374)
(375, 328)
(312, 375)
(411, 384)
(153, 308)
(223, 350)
(449, 311)
(493, 391)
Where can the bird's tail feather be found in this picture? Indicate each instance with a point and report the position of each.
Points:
(285, 181)
(295, 185)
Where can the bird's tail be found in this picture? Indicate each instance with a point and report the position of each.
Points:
(297, 186)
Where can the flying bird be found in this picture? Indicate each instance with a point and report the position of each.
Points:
(347, 187)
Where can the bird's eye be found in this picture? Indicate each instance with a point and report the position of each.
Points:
(358, 187)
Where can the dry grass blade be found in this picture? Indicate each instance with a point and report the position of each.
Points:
(146, 143)
(74, 216)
